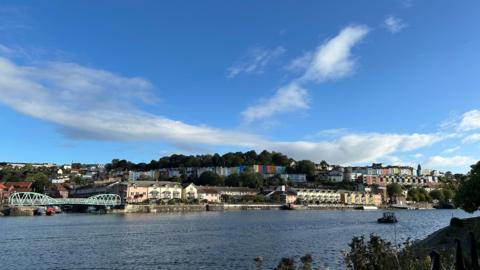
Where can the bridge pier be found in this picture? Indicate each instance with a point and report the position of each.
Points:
(20, 211)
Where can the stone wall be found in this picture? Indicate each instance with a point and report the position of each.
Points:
(134, 208)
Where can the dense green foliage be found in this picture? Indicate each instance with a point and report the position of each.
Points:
(226, 160)
(290, 264)
(210, 179)
(394, 189)
(39, 176)
(26, 173)
(378, 254)
(307, 167)
(418, 195)
(40, 181)
(468, 196)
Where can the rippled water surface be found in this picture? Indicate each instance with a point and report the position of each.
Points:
(208, 240)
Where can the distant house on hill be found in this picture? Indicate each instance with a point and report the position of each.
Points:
(4, 192)
(22, 186)
(57, 191)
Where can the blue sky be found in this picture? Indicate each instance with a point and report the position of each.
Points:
(351, 82)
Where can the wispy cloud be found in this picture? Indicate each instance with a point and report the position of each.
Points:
(94, 104)
(418, 155)
(288, 98)
(472, 138)
(451, 150)
(255, 61)
(394, 24)
(449, 162)
(469, 121)
(331, 60)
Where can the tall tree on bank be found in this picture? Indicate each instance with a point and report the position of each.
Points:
(468, 196)
(307, 167)
(393, 190)
(210, 179)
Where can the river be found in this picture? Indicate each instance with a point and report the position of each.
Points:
(206, 240)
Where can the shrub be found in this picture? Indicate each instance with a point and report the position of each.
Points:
(456, 222)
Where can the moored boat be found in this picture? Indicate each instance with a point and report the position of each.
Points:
(50, 211)
(287, 206)
(57, 209)
(40, 211)
(365, 207)
(388, 217)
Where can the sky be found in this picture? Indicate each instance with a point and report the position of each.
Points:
(349, 82)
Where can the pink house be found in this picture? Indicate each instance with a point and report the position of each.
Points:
(208, 194)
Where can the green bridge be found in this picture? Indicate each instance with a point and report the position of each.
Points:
(37, 199)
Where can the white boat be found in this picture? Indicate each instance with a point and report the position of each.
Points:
(366, 207)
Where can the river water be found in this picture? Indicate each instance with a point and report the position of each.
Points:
(207, 240)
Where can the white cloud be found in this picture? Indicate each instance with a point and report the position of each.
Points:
(449, 162)
(418, 155)
(394, 24)
(357, 148)
(288, 98)
(300, 63)
(451, 150)
(331, 60)
(255, 62)
(95, 104)
(472, 138)
(469, 121)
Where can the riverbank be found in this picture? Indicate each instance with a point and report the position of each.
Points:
(182, 208)
(150, 208)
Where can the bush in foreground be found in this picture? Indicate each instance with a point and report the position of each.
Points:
(376, 253)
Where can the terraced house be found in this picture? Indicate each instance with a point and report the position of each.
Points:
(318, 196)
(165, 190)
(360, 198)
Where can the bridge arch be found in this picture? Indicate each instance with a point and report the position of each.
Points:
(37, 199)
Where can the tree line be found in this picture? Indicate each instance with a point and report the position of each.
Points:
(230, 159)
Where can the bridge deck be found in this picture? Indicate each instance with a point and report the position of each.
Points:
(37, 199)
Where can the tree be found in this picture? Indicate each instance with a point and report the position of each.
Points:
(40, 181)
(467, 196)
(437, 194)
(210, 179)
(377, 253)
(280, 159)
(233, 180)
(79, 180)
(419, 195)
(307, 167)
(251, 180)
(447, 194)
(275, 180)
(264, 158)
(394, 189)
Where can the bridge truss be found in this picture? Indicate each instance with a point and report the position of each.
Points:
(37, 199)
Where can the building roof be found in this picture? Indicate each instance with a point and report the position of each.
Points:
(152, 183)
(21, 190)
(279, 192)
(234, 189)
(206, 190)
(21, 184)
